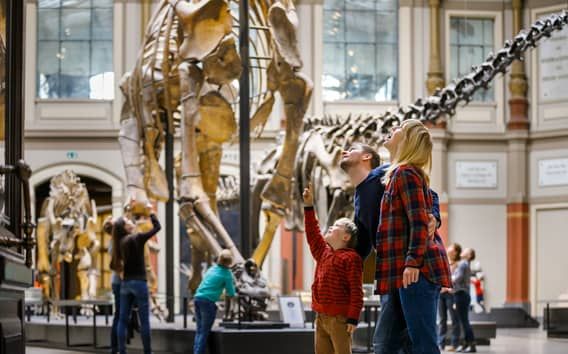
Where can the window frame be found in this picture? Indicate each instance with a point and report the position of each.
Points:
(375, 44)
(113, 45)
(497, 38)
(490, 97)
(479, 116)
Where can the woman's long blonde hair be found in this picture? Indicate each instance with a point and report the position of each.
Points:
(414, 149)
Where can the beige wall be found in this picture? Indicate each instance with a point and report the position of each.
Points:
(483, 227)
(548, 245)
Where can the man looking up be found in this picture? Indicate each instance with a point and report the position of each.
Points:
(362, 164)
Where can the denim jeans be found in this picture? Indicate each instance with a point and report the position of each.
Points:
(391, 333)
(414, 310)
(114, 330)
(463, 300)
(205, 312)
(134, 291)
(446, 305)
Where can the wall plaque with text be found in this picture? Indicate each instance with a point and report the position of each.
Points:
(553, 67)
(553, 172)
(476, 174)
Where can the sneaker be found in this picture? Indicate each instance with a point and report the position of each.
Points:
(470, 349)
(450, 348)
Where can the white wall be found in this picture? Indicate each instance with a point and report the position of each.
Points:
(483, 227)
(549, 260)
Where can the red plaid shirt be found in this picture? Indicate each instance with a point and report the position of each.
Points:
(402, 238)
(338, 280)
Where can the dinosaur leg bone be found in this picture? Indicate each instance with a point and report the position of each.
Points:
(296, 93)
(194, 202)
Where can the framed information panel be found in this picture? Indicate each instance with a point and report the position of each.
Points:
(476, 174)
(553, 172)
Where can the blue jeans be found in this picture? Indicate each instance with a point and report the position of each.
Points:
(134, 291)
(414, 309)
(446, 305)
(114, 330)
(205, 312)
(391, 333)
(463, 300)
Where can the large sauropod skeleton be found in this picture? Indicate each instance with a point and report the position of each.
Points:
(189, 59)
(67, 232)
(323, 139)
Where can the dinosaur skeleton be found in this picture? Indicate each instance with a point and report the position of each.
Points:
(66, 233)
(189, 59)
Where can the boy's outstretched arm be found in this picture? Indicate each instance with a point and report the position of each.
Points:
(313, 234)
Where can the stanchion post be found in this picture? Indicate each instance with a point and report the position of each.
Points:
(185, 312)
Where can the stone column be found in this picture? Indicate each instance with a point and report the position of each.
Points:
(435, 79)
(517, 205)
(435, 72)
(439, 175)
(518, 102)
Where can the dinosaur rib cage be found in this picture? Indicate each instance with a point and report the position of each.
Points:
(158, 62)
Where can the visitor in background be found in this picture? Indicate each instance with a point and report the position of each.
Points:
(216, 279)
(446, 305)
(134, 289)
(337, 291)
(411, 266)
(477, 279)
(461, 278)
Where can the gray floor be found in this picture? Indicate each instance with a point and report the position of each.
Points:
(525, 341)
(517, 341)
(34, 350)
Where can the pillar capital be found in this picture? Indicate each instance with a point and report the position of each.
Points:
(435, 76)
(518, 84)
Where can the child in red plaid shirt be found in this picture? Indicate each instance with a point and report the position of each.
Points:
(337, 291)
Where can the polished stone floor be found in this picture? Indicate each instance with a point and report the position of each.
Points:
(515, 341)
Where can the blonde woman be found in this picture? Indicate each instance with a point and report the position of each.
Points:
(411, 267)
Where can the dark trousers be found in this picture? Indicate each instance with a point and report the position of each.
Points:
(391, 332)
(131, 292)
(463, 300)
(115, 318)
(414, 310)
(205, 312)
(446, 305)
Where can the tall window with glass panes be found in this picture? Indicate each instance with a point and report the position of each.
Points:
(360, 56)
(471, 40)
(74, 49)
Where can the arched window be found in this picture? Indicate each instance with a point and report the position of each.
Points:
(74, 49)
(360, 56)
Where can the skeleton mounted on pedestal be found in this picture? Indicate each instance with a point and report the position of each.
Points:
(67, 237)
